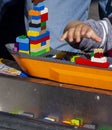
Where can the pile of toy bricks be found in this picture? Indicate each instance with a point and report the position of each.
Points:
(37, 41)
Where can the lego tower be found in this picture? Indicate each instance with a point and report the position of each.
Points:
(37, 41)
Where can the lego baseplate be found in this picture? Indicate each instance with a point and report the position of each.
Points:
(45, 66)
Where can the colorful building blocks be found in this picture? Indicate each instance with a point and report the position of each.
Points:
(98, 56)
(37, 41)
(88, 62)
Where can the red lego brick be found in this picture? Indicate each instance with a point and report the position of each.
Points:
(40, 40)
(84, 61)
(44, 17)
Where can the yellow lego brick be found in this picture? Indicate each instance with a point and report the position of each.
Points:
(40, 49)
(26, 52)
(76, 122)
(33, 46)
(32, 33)
(48, 49)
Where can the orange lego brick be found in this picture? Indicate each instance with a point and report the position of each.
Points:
(34, 13)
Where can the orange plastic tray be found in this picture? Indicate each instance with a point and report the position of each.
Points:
(64, 72)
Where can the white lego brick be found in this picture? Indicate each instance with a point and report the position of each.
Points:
(44, 11)
(99, 60)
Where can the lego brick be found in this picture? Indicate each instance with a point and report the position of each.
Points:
(24, 46)
(22, 39)
(77, 122)
(100, 60)
(16, 47)
(43, 23)
(48, 42)
(98, 52)
(44, 11)
(40, 40)
(35, 45)
(47, 33)
(38, 29)
(40, 6)
(32, 33)
(43, 43)
(40, 48)
(43, 27)
(37, 25)
(26, 52)
(36, 17)
(84, 61)
(37, 1)
(44, 17)
(34, 25)
(39, 52)
(33, 13)
(35, 21)
(43, 31)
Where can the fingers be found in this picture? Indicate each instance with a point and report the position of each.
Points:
(78, 32)
(64, 36)
(92, 35)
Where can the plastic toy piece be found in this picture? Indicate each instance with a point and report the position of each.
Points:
(98, 56)
(40, 40)
(98, 53)
(40, 36)
(37, 1)
(22, 39)
(34, 13)
(99, 60)
(44, 17)
(40, 6)
(90, 126)
(32, 33)
(36, 21)
(77, 122)
(44, 11)
(84, 61)
(66, 122)
(39, 52)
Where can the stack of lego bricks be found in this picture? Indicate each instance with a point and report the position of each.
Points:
(37, 41)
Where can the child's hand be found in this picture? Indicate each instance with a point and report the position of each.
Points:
(77, 30)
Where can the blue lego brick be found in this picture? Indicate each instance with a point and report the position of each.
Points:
(38, 29)
(22, 74)
(35, 17)
(24, 46)
(22, 39)
(43, 43)
(40, 6)
(47, 33)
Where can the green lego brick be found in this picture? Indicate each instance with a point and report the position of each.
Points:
(23, 36)
(39, 52)
(43, 23)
